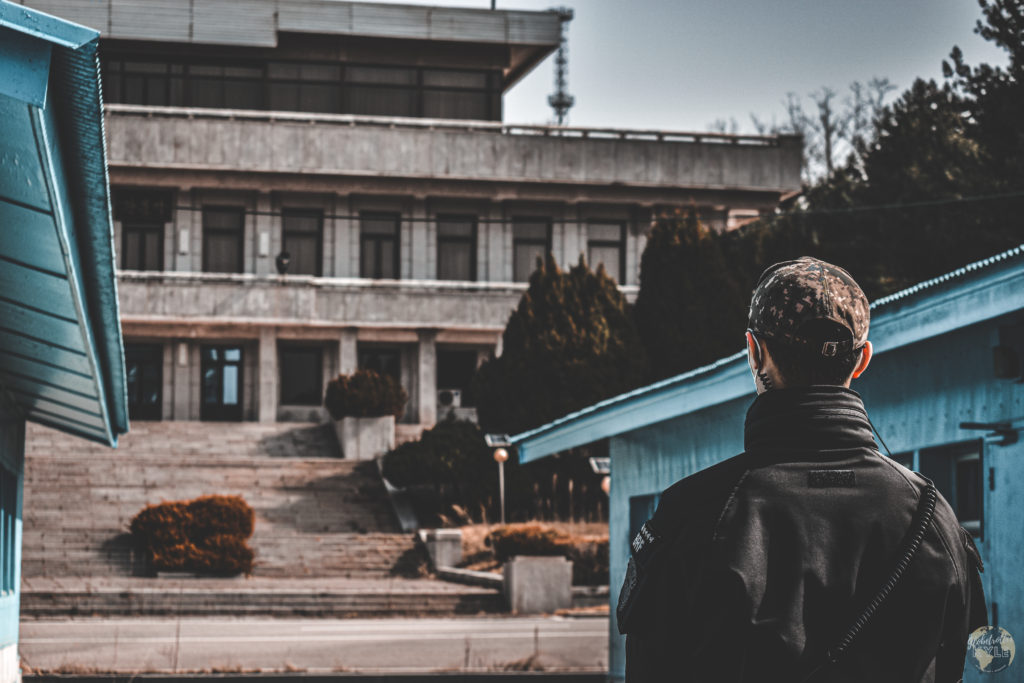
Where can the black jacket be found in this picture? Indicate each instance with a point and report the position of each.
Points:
(751, 569)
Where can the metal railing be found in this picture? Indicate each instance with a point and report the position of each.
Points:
(470, 126)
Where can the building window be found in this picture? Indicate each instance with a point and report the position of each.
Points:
(956, 470)
(296, 86)
(142, 246)
(455, 371)
(531, 240)
(301, 375)
(380, 90)
(322, 87)
(378, 245)
(142, 214)
(606, 244)
(222, 239)
(302, 238)
(451, 94)
(383, 361)
(144, 367)
(456, 248)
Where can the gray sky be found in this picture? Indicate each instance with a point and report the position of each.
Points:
(680, 65)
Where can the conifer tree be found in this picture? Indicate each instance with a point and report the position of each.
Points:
(570, 343)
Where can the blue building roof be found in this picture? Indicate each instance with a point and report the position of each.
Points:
(61, 350)
(978, 291)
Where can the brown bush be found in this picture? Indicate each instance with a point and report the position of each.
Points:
(364, 393)
(219, 515)
(222, 554)
(526, 539)
(589, 562)
(206, 535)
(589, 555)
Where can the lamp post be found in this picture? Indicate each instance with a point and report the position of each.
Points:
(500, 456)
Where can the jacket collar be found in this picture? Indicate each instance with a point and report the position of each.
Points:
(816, 418)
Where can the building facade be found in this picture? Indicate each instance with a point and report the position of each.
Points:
(364, 142)
(944, 389)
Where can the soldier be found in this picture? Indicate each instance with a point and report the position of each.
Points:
(810, 556)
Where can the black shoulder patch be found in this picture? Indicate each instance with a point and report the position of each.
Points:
(831, 478)
(972, 549)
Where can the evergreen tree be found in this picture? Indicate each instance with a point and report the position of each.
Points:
(570, 343)
(691, 309)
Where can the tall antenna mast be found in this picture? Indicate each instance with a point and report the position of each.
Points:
(561, 101)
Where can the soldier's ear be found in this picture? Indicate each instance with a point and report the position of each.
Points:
(754, 351)
(865, 358)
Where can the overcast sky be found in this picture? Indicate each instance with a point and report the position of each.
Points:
(682, 64)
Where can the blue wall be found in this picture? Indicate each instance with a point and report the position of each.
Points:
(917, 396)
(12, 458)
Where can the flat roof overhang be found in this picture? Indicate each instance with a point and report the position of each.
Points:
(529, 36)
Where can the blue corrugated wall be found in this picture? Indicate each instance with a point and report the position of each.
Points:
(917, 397)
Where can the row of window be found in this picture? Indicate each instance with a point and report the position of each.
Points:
(301, 375)
(379, 244)
(333, 88)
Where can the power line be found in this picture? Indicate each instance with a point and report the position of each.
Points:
(905, 205)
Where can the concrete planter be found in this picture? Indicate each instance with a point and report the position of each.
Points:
(365, 438)
(538, 585)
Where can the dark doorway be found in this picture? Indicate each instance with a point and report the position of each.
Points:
(222, 383)
(144, 366)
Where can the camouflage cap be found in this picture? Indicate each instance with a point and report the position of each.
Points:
(793, 293)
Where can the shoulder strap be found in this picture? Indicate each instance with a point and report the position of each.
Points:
(923, 519)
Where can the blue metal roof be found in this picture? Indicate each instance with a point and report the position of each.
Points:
(976, 292)
(61, 350)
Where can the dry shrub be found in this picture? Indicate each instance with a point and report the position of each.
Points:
(206, 535)
(526, 539)
(589, 554)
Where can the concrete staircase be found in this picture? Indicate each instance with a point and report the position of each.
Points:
(317, 516)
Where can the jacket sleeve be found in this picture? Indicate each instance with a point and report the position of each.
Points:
(963, 616)
(679, 616)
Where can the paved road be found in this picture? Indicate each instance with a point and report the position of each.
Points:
(316, 645)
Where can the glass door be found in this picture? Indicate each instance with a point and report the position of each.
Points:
(222, 383)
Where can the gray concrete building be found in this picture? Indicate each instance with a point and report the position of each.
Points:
(367, 142)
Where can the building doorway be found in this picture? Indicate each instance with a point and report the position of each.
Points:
(222, 383)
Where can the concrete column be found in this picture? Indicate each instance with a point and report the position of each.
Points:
(558, 228)
(348, 358)
(346, 240)
(406, 245)
(426, 378)
(264, 236)
(499, 246)
(572, 243)
(424, 259)
(268, 375)
(179, 244)
(182, 387)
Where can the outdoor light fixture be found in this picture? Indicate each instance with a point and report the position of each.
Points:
(500, 442)
(500, 456)
(282, 261)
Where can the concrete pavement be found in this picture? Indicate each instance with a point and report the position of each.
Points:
(316, 645)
